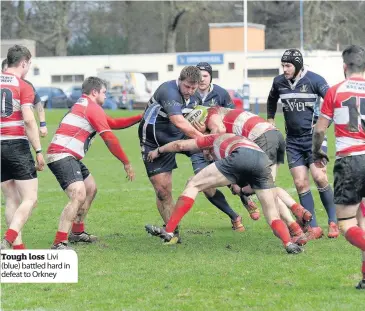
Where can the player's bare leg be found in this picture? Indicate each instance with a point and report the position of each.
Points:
(162, 183)
(325, 191)
(78, 233)
(17, 218)
(352, 225)
(77, 195)
(300, 176)
(12, 201)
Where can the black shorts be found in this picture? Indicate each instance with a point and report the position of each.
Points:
(273, 144)
(299, 150)
(166, 162)
(349, 180)
(68, 170)
(247, 166)
(16, 160)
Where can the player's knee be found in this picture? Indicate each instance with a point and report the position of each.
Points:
(163, 194)
(79, 195)
(321, 180)
(209, 193)
(302, 184)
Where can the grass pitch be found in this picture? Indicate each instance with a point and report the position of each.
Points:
(214, 269)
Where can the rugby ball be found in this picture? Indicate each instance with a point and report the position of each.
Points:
(198, 114)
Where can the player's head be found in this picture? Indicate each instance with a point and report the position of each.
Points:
(207, 75)
(292, 63)
(188, 81)
(95, 88)
(4, 65)
(18, 57)
(353, 60)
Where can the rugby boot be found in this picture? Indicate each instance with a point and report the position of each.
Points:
(302, 215)
(81, 237)
(314, 233)
(333, 231)
(251, 207)
(237, 224)
(297, 234)
(292, 248)
(61, 245)
(361, 285)
(5, 244)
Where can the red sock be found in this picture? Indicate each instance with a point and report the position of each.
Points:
(183, 205)
(281, 231)
(11, 235)
(295, 229)
(78, 228)
(295, 207)
(60, 237)
(19, 246)
(363, 270)
(356, 236)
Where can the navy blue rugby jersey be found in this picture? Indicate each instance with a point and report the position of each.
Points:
(300, 100)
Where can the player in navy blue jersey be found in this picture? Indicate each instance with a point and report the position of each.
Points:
(163, 122)
(213, 95)
(299, 90)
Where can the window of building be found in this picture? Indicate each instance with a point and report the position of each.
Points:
(67, 78)
(262, 73)
(36, 71)
(151, 76)
(215, 74)
(170, 67)
(56, 79)
(231, 66)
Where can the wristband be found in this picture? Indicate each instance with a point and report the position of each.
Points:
(41, 124)
(158, 151)
(38, 151)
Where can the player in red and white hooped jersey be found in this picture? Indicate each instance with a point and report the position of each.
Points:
(69, 145)
(345, 105)
(271, 141)
(238, 161)
(19, 183)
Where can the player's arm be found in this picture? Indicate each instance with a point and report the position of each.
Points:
(41, 115)
(320, 128)
(181, 123)
(124, 122)
(272, 103)
(98, 121)
(192, 145)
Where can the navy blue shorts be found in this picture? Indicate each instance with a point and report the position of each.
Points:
(299, 150)
(199, 162)
(166, 162)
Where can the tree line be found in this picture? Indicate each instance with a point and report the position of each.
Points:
(63, 28)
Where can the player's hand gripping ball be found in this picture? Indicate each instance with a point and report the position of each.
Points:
(198, 114)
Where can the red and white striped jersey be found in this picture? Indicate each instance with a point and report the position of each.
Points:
(242, 123)
(15, 93)
(224, 144)
(77, 129)
(345, 104)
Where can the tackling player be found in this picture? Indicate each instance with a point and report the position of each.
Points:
(299, 91)
(271, 141)
(19, 182)
(239, 161)
(345, 105)
(69, 145)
